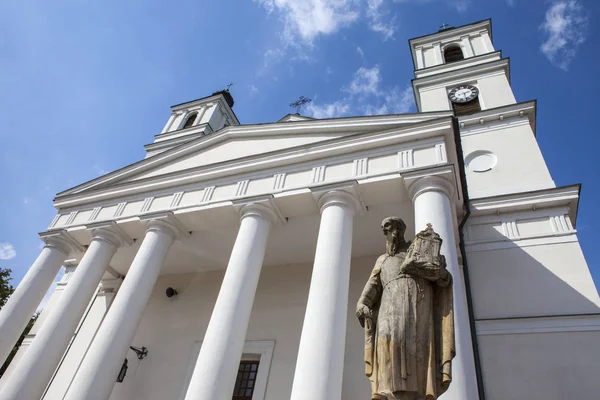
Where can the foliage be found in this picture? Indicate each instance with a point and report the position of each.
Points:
(6, 289)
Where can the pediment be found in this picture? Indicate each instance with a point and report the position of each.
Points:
(230, 150)
(238, 143)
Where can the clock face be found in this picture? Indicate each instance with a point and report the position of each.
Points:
(463, 94)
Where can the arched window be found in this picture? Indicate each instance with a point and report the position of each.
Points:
(190, 120)
(453, 53)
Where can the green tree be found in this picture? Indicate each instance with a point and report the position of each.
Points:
(6, 289)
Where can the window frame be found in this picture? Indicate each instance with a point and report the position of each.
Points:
(260, 350)
(193, 115)
(448, 47)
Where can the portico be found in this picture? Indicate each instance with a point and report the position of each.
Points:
(306, 201)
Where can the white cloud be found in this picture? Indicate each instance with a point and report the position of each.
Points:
(566, 27)
(305, 20)
(365, 94)
(365, 81)
(378, 21)
(336, 109)
(7, 251)
(395, 101)
(360, 52)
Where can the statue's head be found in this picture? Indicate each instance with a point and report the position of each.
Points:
(393, 228)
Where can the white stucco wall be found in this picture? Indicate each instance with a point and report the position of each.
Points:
(520, 167)
(551, 279)
(170, 327)
(549, 366)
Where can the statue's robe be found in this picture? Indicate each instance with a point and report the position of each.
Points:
(408, 351)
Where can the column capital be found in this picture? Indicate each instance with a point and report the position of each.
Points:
(165, 222)
(61, 241)
(111, 233)
(345, 195)
(430, 184)
(263, 207)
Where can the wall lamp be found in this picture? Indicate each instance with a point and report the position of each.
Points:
(140, 352)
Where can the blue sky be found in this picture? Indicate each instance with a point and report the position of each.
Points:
(84, 85)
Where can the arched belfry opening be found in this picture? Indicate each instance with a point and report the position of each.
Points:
(453, 54)
(190, 120)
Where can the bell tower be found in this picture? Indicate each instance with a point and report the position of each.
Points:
(459, 69)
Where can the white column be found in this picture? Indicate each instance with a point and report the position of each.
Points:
(31, 376)
(466, 45)
(217, 365)
(98, 371)
(431, 197)
(419, 57)
(320, 364)
(169, 123)
(22, 304)
(437, 51)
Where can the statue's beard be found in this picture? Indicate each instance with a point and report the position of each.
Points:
(394, 243)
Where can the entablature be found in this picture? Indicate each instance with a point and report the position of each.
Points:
(499, 118)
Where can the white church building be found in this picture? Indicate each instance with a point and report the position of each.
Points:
(227, 264)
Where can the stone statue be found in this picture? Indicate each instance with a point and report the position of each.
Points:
(406, 310)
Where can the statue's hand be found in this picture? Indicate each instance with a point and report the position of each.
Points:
(363, 312)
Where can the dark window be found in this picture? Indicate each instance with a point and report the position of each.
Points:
(246, 378)
(471, 107)
(453, 54)
(190, 120)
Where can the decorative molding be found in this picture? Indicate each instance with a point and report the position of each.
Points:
(406, 159)
(165, 222)
(95, 213)
(344, 193)
(317, 174)
(520, 326)
(54, 220)
(279, 181)
(208, 194)
(147, 204)
(111, 232)
(360, 167)
(241, 188)
(71, 218)
(542, 240)
(428, 184)
(119, 183)
(264, 206)
(120, 209)
(440, 152)
(176, 200)
(61, 240)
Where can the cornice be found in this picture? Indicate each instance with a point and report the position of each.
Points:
(482, 120)
(451, 67)
(450, 33)
(290, 156)
(566, 196)
(464, 73)
(346, 125)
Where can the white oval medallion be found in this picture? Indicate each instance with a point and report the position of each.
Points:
(481, 161)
